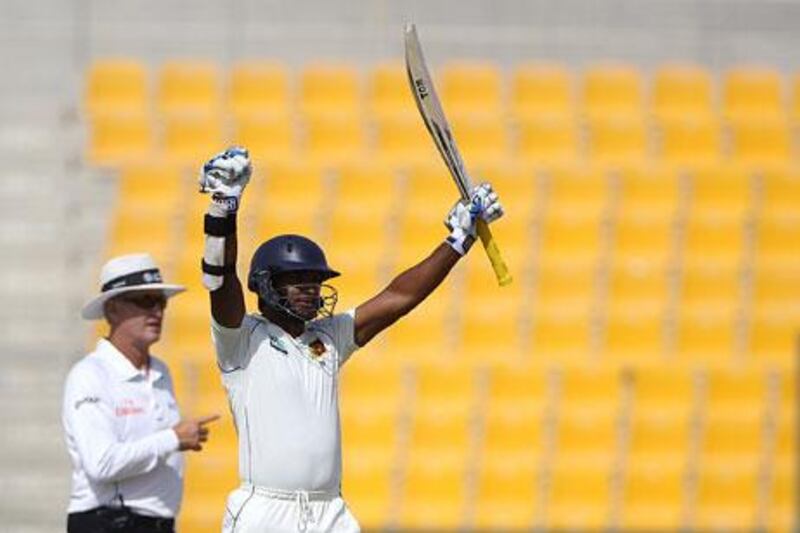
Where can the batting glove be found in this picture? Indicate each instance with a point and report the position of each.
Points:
(462, 220)
(225, 176)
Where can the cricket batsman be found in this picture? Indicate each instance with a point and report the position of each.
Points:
(280, 366)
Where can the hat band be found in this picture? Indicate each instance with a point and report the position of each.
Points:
(143, 277)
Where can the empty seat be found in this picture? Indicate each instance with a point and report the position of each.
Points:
(388, 91)
(618, 140)
(638, 283)
(541, 89)
(513, 385)
(727, 497)
(116, 86)
(706, 335)
(579, 497)
(709, 287)
(434, 493)
(268, 138)
(761, 141)
(717, 239)
(547, 140)
(688, 141)
(423, 334)
(189, 139)
(444, 390)
(402, 140)
(724, 190)
(471, 87)
(570, 237)
(189, 87)
(774, 336)
(777, 240)
(506, 494)
(731, 438)
(517, 185)
(577, 190)
(119, 139)
(661, 388)
(367, 481)
(633, 334)
(648, 190)
(736, 390)
(296, 190)
(652, 496)
(776, 288)
(645, 237)
(561, 333)
(150, 188)
(490, 333)
(590, 387)
(749, 91)
(333, 139)
(612, 90)
(585, 435)
(259, 88)
(482, 139)
(659, 436)
(681, 90)
(367, 187)
(329, 88)
(781, 191)
(565, 284)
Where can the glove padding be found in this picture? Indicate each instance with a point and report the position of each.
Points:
(462, 220)
(225, 176)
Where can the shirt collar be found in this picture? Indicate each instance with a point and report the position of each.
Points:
(121, 365)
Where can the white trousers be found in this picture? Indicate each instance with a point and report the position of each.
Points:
(253, 509)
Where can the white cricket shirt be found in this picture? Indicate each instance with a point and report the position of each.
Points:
(118, 428)
(283, 395)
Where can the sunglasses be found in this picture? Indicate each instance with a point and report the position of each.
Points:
(147, 301)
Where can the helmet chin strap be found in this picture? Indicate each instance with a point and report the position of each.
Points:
(273, 299)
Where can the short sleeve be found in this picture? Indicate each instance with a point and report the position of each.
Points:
(344, 325)
(230, 343)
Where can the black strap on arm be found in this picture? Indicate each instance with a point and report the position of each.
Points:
(215, 270)
(219, 227)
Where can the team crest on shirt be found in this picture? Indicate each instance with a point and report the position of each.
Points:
(317, 348)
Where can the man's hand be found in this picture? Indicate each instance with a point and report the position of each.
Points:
(225, 176)
(463, 217)
(193, 433)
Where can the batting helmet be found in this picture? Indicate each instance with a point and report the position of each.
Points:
(289, 253)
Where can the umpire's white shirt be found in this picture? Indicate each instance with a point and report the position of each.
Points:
(117, 421)
(283, 394)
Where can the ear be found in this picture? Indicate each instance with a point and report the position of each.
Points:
(111, 311)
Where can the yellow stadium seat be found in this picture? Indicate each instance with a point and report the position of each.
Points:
(295, 188)
(661, 388)
(579, 497)
(135, 231)
(585, 434)
(334, 139)
(731, 438)
(434, 493)
(189, 139)
(777, 240)
(565, 284)
(482, 139)
(368, 484)
(513, 384)
(706, 335)
(750, 91)
(612, 90)
(402, 140)
(644, 237)
(590, 387)
(561, 333)
(506, 495)
(648, 190)
(688, 141)
(268, 138)
(761, 141)
(782, 500)
(444, 388)
(710, 287)
(116, 86)
(737, 390)
(259, 88)
(638, 284)
(727, 498)
(388, 92)
(119, 139)
(618, 140)
(713, 239)
(189, 87)
(471, 87)
(370, 426)
(570, 236)
(581, 189)
(513, 433)
(774, 336)
(367, 187)
(634, 334)
(367, 384)
(547, 140)
(516, 183)
(329, 88)
(424, 333)
(652, 496)
(658, 436)
(152, 188)
(541, 89)
(680, 90)
(430, 192)
(776, 288)
(780, 191)
(724, 190)
(490, 333)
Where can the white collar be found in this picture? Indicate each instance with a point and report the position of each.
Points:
(122, 366)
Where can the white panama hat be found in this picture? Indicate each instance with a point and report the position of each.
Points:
(127, 273)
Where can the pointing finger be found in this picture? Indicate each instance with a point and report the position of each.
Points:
(203, 420)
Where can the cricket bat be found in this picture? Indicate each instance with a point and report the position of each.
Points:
(435, 121)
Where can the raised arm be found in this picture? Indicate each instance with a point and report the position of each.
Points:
(224, 176)
(410, 288)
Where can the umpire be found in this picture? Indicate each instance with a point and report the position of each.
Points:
(120, 417)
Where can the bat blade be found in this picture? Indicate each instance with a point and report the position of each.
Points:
(432, 113)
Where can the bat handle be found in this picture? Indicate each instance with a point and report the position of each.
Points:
(500, 268)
